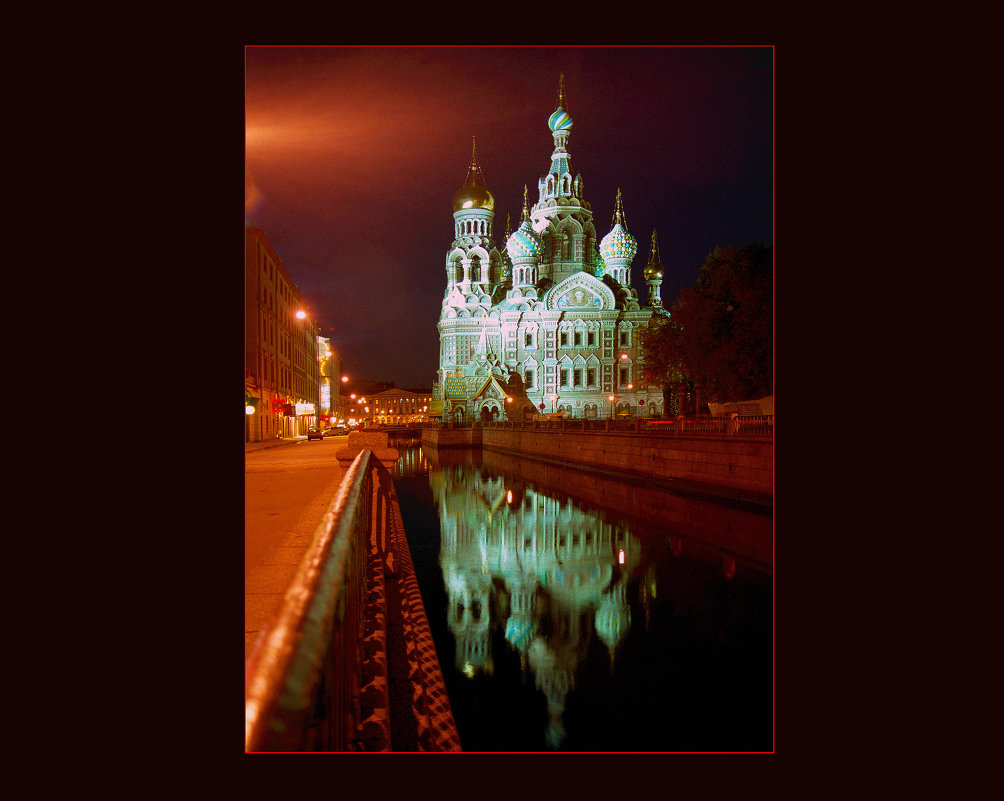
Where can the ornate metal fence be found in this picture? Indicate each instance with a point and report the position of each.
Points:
(318, 677)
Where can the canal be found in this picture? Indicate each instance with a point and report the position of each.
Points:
(576, 612)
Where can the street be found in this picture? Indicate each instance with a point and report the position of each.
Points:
(287, 489)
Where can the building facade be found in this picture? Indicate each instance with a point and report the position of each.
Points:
(332, 402)
(548, 323)
(400, 407)
(281, 368)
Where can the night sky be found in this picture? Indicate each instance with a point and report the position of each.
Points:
(353, 155)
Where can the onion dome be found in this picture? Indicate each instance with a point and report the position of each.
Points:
(524, 243)
(653, 270)
(559, 120)
(618, 244)
(473, 194)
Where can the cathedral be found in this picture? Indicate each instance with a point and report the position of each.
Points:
(549, 323)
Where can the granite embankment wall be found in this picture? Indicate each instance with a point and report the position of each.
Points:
(743, 466)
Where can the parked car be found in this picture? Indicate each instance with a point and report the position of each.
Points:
(335, 431)
(313, 433)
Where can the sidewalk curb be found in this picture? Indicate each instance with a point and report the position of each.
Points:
(251, 447)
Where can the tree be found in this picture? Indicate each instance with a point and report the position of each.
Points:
(719, 334)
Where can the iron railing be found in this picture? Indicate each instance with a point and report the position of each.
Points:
(304, 675)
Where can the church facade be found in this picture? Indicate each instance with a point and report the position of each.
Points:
(548, 323)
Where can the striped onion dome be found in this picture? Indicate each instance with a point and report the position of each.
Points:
(560, 120)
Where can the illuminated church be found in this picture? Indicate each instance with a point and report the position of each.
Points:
(549, 322)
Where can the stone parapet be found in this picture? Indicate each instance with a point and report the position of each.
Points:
(452, 437)
(375, 441)
(727, 463)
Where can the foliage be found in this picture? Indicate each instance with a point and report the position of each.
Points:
(719, 334)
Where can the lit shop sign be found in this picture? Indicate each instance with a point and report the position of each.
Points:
(304, 408)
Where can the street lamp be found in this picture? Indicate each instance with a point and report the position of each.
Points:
(553, 399)
(611, 399)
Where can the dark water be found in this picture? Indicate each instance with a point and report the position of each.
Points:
(573, 612)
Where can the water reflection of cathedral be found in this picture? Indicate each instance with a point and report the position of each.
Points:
(549, 573)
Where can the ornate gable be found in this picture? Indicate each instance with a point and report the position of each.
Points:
(580, 292)
(491, 389)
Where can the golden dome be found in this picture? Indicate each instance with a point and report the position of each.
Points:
(473, 194)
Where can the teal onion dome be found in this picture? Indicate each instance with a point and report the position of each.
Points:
(560, 120)
(618, 244)
(524, 243)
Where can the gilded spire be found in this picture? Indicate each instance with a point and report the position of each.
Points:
(526, 213)
(619, 212)
(561, 92)
(508, 226)
(475, 169)
(653, 256)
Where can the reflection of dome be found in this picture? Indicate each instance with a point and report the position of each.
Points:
(613, 618)
(524, 243)
(473, 195)
(560, 120)
(618, 244)
(520, 631)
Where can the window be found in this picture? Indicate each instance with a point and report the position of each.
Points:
(530, 377)
(624, 337)
(528, 340)
(564, 378)
(624, 375)
(578, 339)
(578, 377)
(590, 378)
(591, 339)
(564, 339)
